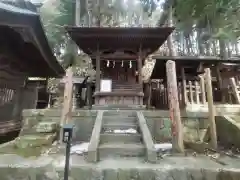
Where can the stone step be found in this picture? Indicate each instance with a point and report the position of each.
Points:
(109, 119)
(117, 126)
(120, 113)
(121, 149)
(115, 107)
(124, 138)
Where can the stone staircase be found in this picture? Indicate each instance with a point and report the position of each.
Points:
(114, 142)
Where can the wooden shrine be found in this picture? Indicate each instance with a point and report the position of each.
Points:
(118, 55)
(24, 52)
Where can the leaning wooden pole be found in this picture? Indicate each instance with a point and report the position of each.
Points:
(211, 110)
(175, 116)
(67, 101)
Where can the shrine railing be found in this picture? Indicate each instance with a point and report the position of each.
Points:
(194, 92)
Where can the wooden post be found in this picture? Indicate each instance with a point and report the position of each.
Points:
(98, 69)
(202, 86)
(184, 86)
(235, 89)
(67, 102)
(175, 116)
(220, 84)
(140, 67)
(49, 100)
(89, 95)
(197, 92)
(211, 110)
(191, 92)
(149, 87)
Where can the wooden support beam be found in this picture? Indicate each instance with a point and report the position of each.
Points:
(175, 116)
(67, 102)
(235, 89)
(211, 110)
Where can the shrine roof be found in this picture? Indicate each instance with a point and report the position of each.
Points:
(89, 39)
(192, 62)
(21, 29)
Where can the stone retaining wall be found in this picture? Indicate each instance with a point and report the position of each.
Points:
(159, 124)
(83, 119)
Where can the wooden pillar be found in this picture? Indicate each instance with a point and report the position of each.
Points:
(184, 86)
(197, 92)
(36, 91)
(98, 71)
(140, 67)
(67, 101)
(191, 92)
(149, 87)
(211, 110)
(49, 100)
(175, 116)
(203, 92)
(89, 95)
(220, 84)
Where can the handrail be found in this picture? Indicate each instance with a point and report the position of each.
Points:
(147, 138)
(95, 139)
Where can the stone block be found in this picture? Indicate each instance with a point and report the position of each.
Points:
(34, 140)
(46, 127)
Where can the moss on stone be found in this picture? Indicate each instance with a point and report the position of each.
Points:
(29, 145)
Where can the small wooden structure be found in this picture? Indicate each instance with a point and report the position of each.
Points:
(191, 86)
(24, 52)
(118, 55)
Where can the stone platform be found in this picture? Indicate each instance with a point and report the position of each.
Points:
(26, 157)
(170, 168)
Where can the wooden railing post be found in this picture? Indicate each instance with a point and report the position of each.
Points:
(184, 87)
(197, 92)
(191, 92)
(67, 102)
(211, 110)
(202, 87)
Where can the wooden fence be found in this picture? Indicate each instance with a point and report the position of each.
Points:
(194, 92)
(12, 81)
